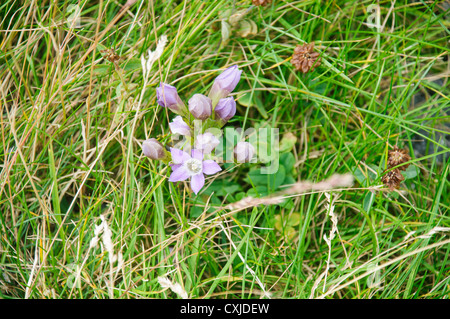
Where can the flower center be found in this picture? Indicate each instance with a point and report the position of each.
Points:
(194, 166)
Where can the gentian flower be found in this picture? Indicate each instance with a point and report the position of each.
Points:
(154, 149)
(167, 96)
(191, 166)
(225, 83)
(200, 106)
(225, 109)
(179, 126)
(206, 142)
(243, 152)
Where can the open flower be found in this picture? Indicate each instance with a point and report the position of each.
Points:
(191, 166)
(206, 142)
(179, 126)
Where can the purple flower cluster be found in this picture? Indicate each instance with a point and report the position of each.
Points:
(214, 111)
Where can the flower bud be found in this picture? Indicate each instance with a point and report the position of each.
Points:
(200, 106)
(206, 142)
(225, 83)
(154, 149)
(225, 109)
(167, 96)
(243, 152)
(179, 126)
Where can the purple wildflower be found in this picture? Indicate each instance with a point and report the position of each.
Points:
(154, 149)
(200, 106)
(244, 152)
(206, 142)
(191, 166)
(225, 109)
(225, 83)
(179, 126)
(167, 96)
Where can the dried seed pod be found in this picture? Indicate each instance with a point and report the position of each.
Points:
(392, 179)
(261, 2)
(304, 58)
(398, 156)
(111, 55)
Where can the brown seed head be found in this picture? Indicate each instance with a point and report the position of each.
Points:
(398, 156)
(392, 179)
(261, 2)
(304, 58)
(111, 55)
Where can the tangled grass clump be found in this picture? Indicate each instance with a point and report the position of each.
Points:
(99, 104)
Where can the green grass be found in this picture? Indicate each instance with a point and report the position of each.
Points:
(71, 130)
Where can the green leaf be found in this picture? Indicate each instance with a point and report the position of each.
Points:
(132, 64)
(231, 189)
(247, 28)
(287, 204)
(236, 17)
(253, 99)
(226, 31)
(222, 188)
(240, 196)
(290, 233)
(261, 108)
(272, 181)
(361, 175)
(102, 69)
(277, 223)
(255, 177)
(246, 99)
(101, 47)
(277, 179)
(368, 201)
(411, 172)
(287, 143)
(258, 191)
(288, 161)
(289, 180)
(294, 219)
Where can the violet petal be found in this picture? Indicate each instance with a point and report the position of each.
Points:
(178, 156)
(210, 167)
(197, 154)
(179, 126)
(179, 174)
(197, 182)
